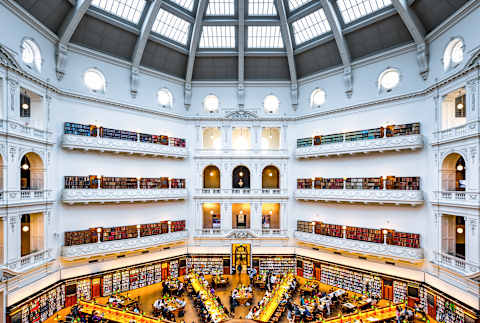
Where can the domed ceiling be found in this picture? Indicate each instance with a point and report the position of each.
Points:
(242, 39)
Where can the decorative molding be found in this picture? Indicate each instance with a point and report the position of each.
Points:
(459, 199)
(15, 129)
(456, 264)
(233, 193)
(26, 197)
(369, 248)
(410, 142)
(30, 261)
(468, 130)
(397, 197)
(108, 247)
(241, 114)
(85, 196)
(228, 153)
(122, 146)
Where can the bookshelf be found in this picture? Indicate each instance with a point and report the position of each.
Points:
(331, 230)
(403, 129)
(307, 269)
(84, 289)
(178, 225)
(303, 183)
(305, 226)
(448, 312)
(277, 265)
(118, 183)
(81, 182)
(92, 131)
(367, 134)
(206, 265)
(154, 183)
(361, 183)
(399, 292)
(91, 182)
(107, 285)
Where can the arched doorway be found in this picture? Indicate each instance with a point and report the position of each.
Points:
(31, 172)
(270, 178)
(241, 177)
(453, 173)
(211, 177)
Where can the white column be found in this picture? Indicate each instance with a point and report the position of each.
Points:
(226, 222)
(13, 98)
(198, 136)
(283, 216)
(12, 182)
(198, 220)
(256, 216)
(283, 137)
(257, 136)
(472, 168)
(472, 97)
(472, 240)
(227, 136)
(13, 238)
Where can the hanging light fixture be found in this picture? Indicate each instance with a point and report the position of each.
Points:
(460, 103)
(25, 228)
(459, 230)
(460, 168)
(25, 166)
(24, 101)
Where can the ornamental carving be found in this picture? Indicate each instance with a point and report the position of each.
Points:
(241, 115)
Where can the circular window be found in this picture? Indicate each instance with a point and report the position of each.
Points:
(453, 54)
(94, 80)
(211, 103)
(164, 97)
(317, 98)
(389, 79)
(31, 54)
(271, 104)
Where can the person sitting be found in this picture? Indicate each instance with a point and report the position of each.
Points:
(302, 300)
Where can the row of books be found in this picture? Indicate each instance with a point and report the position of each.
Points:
(92, 182)
(91, 235)
(360, 183)
(375, 133)
(78, 129)
(403, 239)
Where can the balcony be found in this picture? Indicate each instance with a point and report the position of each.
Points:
(241, 234)
(408, 142)
(456, 264)
(108, 247)
(21, 131)
(122, 146)
(26, 197)
(30, 261)
(235, 193)
(228, 153)
(396, 197)
(468, 130)
(85, 196)
(369, 248)
(453, 198)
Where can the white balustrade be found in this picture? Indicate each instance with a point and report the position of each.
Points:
(72, 196)
(464, 131)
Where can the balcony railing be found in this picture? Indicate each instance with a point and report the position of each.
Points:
(241, 192)
(397, 197)
(72, 196)
(26, 197)
(379, 249)
(458, 198)
(464, 131)
(410, 142)
(241, 153)
(122, 146)
(108, 247)
(21, 131)
(456, 264)
(30, 261)
(242, 233)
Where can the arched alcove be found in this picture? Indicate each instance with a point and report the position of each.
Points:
(211, 177)
(241, 177)
(453, 173)
(31, 172)
(270, 177)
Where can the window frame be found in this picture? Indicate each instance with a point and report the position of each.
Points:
(170, 97)
(37, 59)
(204, 106)
(276, 110)
(381, 87)
(98, 72)
(315, 92)
(448, 49)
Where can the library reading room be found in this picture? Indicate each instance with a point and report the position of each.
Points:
(240, 161)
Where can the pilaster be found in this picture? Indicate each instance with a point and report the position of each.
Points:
(256, 216)
(13, 246)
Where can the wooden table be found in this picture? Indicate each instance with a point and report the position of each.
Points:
(270, 308)
(220, 281)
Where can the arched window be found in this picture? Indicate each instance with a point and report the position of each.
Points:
(211, 103)
(31, 56)
(31, 172)
(211, 177)
(165, 98)
(453, 173)
(271, 104)
(241, 177)
(453, 54)
(270, 178)
(388, 80)
(94, 80)
(317, 98)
